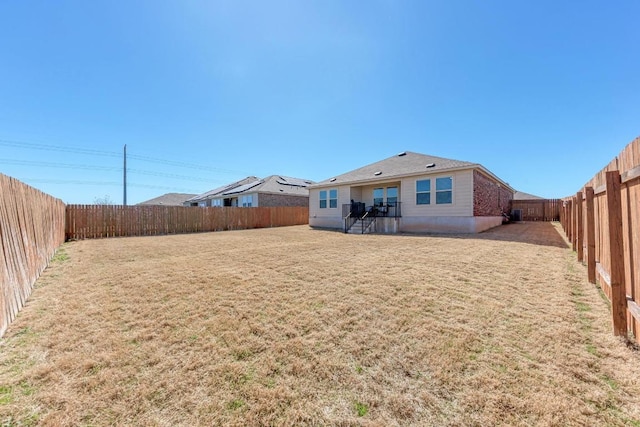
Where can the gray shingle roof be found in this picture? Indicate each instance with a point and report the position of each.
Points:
(243, 188)
(276, 184)
(218, 191)
(403, 164)
(169, 199)
(295, 182)
(521, 195)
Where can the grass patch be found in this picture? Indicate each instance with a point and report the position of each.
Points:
(60, 256)
(26, 389)
(611, 382)
(6, 394)
(361, 409)
(236, 404)
(24, 332)
(294, 326)
(582, 307)
(31, 419)
(242, 354)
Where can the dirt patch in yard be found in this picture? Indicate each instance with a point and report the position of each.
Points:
(293, 326)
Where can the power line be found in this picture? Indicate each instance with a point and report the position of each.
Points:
(104, 168)
(170, 175)
(47, 147)
(184, 165)
(102, 183)
(70, 181)
(102, 153)
(57, 165)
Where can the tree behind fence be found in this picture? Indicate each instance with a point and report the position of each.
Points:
(100, 221)
(31, 228)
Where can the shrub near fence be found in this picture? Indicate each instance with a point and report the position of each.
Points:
(100, 221)
(31, 228)
(602, 222)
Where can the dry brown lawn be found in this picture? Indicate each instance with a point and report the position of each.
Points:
(293, 326)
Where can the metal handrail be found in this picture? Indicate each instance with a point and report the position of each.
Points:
(369, 221)
(368, 214)
(349, 221)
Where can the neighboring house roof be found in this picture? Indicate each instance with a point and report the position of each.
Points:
(276, 184)
(218, 191)
(521, 195)
(169, 199)
(403, 164)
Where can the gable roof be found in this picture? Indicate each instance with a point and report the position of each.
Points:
(521, 195)
(278, 184)
(169, 199)
(401, 165)
(275, 184)
(218, 191)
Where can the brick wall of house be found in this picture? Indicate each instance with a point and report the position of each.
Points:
(270, 200)
(489, 199)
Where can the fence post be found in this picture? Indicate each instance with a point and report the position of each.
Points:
(569, 222)
(591, 235)
(579, 226)
(616, 253)
(574, 223)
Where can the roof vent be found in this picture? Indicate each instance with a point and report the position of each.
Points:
(404, 153)
(378, 173)
(431, 165)
(332, 179)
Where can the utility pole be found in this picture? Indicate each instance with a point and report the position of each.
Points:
(125, 176)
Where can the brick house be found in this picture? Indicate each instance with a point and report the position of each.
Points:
(411, 192)
(274, 190)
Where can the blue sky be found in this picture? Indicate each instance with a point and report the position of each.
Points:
(542, 93)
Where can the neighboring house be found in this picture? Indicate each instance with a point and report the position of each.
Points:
(411, 192)
(169, 199)
(274, 190)
(521, 195)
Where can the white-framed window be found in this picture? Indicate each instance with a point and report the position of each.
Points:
(247, 201)
(444, 190)
(323, 199)
(202, 204)
(332, 199)
(423, 192)
(216, 202)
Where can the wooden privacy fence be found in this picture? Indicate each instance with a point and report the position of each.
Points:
(602, 222)
(99, 221)
(31, 228)
(537, 209)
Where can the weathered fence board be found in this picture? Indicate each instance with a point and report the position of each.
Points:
(31, 228)
(611, 225)
(102, 221)
(538, 209)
